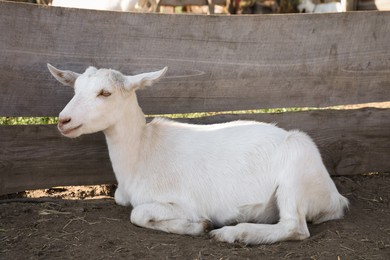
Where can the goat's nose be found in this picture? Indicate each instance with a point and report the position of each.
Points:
(63, 121)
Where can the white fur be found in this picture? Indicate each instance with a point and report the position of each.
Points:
(309, 7)
(110, 5)
(186, 179)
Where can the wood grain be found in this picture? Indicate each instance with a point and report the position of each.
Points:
(34, 157)
(215, 62)
(350, 141)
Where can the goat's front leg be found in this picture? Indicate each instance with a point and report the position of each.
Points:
(168, 217)
(120, 197)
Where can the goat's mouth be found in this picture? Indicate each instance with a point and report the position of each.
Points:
(70, 130)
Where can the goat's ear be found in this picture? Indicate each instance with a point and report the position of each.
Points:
(66, 77)
(117, 78)
(144, 79)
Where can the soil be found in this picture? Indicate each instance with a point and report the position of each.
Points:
(94, 227)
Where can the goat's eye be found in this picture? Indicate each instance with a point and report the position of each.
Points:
(104, 93)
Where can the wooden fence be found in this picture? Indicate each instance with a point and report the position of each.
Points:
(215, 64)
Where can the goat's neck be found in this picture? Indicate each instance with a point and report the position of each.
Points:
(124, 140)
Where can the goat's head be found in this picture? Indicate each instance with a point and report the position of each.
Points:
(100, 96)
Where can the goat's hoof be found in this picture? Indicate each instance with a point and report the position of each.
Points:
(207, 226)
(232, 235)
(225, 234)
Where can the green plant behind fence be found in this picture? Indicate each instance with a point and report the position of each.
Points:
(54, 120)
(28, 120)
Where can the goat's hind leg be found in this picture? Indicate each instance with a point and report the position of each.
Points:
(168, 217)
(291, 226)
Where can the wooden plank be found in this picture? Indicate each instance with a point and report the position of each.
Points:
(350, 141)
(216, 62)
(34, 157)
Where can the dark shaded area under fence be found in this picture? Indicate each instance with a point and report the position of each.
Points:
(216, 64)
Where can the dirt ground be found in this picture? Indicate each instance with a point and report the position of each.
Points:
(86, 228)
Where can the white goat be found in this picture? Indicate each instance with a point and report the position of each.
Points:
(109, 5)
(308, 6)
(185, 179)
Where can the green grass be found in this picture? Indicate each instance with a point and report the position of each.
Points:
(237, 112)
(53, 120)
(28, 120)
